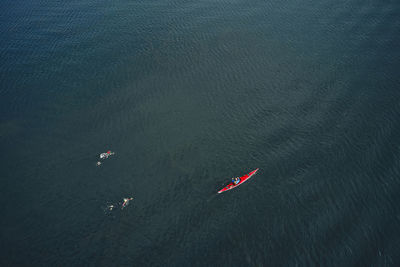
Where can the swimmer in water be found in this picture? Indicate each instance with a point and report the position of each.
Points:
(126, 202)
(98, 163)
(111, 207)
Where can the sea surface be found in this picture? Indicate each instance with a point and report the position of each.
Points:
(189, 93)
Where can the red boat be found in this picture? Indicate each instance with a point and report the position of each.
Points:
(242, 180)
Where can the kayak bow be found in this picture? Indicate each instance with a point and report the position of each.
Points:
(243, 179)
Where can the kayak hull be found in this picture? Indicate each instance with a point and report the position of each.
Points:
(243, 179)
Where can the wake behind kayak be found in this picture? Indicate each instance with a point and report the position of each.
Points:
(237, 181)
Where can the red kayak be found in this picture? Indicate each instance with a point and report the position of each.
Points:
(242, 180)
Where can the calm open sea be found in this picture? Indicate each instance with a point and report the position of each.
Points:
(190, 93)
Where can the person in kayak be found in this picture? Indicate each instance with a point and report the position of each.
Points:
(235, 180)
(126, 202)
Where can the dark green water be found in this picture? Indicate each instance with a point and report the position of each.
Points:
(189, 94)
